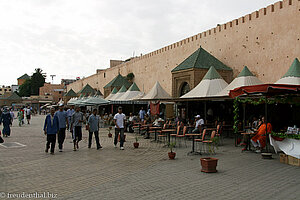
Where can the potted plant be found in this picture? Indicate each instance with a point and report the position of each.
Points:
(214, 144)
(171, 154)
(109, 133)
(209, 165)
(136, 144)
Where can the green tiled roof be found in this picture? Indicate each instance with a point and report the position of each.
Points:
(123, 89)
(245, 72)
(118, 81)
(98, 93)
(114, 91)
(71, 93)
(212, 74)
(201, 59)
(25, 76)
(294, 69)
(14, 96)
(134, 87)
(86, 90)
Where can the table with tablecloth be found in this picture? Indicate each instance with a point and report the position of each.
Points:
(289, 146)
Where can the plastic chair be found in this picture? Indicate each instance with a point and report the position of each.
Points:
(201, 140)
(161, 134)
(210, 142)
(219, 134)
(182, 136)
(177, 133)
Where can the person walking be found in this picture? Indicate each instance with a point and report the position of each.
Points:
(76, 126)
(63, 123)
(12, 114)
(93, 126)
(70, 112)
(51, 128)
(20, 117)
(119, 120)
(142, 114)
(6, 120)
(23, 114)
(28, 114)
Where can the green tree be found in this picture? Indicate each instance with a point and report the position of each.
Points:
(130, 77)
(37, 81)
(25, 89)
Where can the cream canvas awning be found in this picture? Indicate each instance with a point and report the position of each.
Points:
(211, 84)
(245, 78)
(113, 92)
(292, 76)
(131, 93)
(119, 94)
(156, 93)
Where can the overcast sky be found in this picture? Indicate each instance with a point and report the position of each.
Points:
(73, 38)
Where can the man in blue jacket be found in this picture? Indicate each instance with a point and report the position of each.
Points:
(63, 123)
(51, 128)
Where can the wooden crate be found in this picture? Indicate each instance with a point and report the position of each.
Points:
(294, 161)
(283, 158)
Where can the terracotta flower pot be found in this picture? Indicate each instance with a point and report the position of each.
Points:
(209, 164)
(171, 155)
(109, 135)
(136, 145)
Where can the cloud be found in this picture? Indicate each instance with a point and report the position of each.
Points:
(72, 38)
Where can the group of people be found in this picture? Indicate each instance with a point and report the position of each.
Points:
(260, 128)
(25, 111)
(7, 117)
(56, 123)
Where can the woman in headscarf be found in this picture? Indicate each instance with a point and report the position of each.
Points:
(6, 120)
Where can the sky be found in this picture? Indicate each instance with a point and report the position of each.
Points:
(74, 38)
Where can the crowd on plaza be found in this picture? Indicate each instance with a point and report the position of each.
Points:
(7, 117)
(56, 123)
(73, 119)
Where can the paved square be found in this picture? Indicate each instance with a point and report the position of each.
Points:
(143, 173)
(12, 145)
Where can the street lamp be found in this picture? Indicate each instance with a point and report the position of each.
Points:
(52, 76)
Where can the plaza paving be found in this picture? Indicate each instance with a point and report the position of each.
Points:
(143, 173)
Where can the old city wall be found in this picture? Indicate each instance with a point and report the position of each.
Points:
(267, 41)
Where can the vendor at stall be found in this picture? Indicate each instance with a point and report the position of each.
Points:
(259, 140)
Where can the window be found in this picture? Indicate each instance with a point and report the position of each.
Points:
(185, 88)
